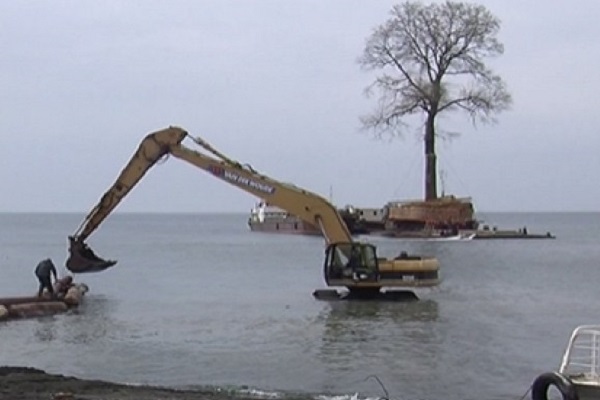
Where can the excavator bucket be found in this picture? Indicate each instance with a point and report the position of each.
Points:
(82, 259)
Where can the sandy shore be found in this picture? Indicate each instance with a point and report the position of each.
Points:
(19, 383)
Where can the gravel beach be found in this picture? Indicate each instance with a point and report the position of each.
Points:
(21, 383)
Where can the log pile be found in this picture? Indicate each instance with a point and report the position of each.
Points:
(31, 307)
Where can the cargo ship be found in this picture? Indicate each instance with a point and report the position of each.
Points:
(265, 217)
(268, 218)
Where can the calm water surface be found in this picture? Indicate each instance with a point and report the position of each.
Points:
(198, 300)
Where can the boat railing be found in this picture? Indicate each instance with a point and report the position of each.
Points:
(582, 355)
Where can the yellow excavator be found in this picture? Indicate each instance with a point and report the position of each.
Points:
(348, 263)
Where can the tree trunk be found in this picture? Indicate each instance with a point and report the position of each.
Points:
(430, 159)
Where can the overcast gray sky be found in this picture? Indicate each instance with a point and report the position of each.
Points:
(275, 84)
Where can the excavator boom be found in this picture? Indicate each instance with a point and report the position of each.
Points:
(306, 205)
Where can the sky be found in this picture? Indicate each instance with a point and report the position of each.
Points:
(276, 84)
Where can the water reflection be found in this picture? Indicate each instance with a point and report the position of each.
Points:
(373, 330)
(84, 325)
(45, 329)
(360, 311)
(92, 321)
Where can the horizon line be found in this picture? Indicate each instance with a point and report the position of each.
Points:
(246, 212)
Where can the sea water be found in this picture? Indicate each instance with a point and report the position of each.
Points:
(197, 300)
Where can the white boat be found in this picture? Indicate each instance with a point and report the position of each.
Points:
(460, 236)
(463, 236)
(578, 377)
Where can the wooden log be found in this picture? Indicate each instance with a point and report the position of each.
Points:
(8, 301)
(3, 312)
(62, 285)
(74, 295)
(33, 306)
(36, 309)
(83, 287)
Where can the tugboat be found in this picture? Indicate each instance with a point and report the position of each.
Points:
(578, 377)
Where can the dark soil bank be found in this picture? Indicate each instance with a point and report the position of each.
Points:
(21, 383)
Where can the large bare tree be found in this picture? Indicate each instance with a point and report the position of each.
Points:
(431, 58)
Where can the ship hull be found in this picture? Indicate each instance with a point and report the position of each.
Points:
(266, 218)
(293, 226)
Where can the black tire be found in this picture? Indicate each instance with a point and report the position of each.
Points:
(539, 389)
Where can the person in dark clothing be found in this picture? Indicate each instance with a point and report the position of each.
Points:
(44, 270)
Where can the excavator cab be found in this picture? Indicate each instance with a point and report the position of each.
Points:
(351, 263)
(82, 259)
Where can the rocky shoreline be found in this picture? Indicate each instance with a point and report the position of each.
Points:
(24, 383)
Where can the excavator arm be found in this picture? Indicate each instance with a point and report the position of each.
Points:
(348, 263)
(151, 149)
(306, 205)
